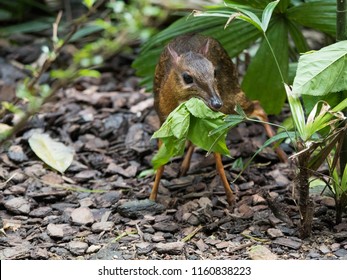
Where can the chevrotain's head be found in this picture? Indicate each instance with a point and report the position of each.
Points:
(195, 76)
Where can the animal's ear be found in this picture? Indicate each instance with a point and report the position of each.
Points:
(205, 47)
(174, 55)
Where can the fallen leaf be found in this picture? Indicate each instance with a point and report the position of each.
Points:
(53, 153)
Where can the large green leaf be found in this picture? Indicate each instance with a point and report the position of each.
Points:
(322, 72)
(319, 15)
(262, 80)
(193, 121)
(259, 4)
(235, 38)
(297, 36)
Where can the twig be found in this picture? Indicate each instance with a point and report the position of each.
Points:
(191, 235)
(243, 246)
(126, 233)
(262, 240)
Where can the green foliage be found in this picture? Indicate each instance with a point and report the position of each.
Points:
(322, 72)
(193, 121)
(17, 10)
(319, 134)
(262, 80)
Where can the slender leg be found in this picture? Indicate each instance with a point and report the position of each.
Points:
(259, 113)
(220, 169)
(158, 175)
(160, 170)
(186, 161)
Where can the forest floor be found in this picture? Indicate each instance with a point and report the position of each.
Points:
(99, 208)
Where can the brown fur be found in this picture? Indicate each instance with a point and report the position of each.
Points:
(199, 56)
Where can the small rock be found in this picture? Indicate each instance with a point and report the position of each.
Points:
(17, 176)
(202, 246)
(77, 247)
(335, 246)
(246, 186)
(62, 252)
(35, 170)
(129, 172)
(52, 178)
(340, 236)
(93, 249)
(340, 227)
(279, 178)
(288, 242)
(172, 248)
(274, 232)
(313, 255)
(257, 199)
(204, 202)
(115, 123)
(94, 143)
(340, 253)
(86, 202)
(222, 245)
(102, 226)
(137, 138)
(61, 206)
(260, 252)
(144, 248)
(158, 237)
(295, 255)
(166, 227)
(139, 208)
(82, 216)
(212, 241)
(16, 153)
(328, 201)
(86, 175)
(191, 219)
(324, 249)
(18, 205)
(245, 211)
(16, 189)
(40, 212)
(58, 230)
(39, 253)
(108, 199)
(16, 252)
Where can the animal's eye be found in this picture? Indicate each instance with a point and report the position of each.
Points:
(187, 78)
(215, 73)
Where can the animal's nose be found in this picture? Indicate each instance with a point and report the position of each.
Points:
(216, 103)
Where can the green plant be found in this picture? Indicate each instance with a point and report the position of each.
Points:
(288, 19)
(192, 120)
(338, 183)
(316, 135)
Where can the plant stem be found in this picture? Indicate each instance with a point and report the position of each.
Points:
(341, 34)
(341, 20)
(306, 205)
(274, 56)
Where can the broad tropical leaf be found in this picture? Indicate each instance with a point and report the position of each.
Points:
(323, 71)
(262, 80)
(319, 15)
